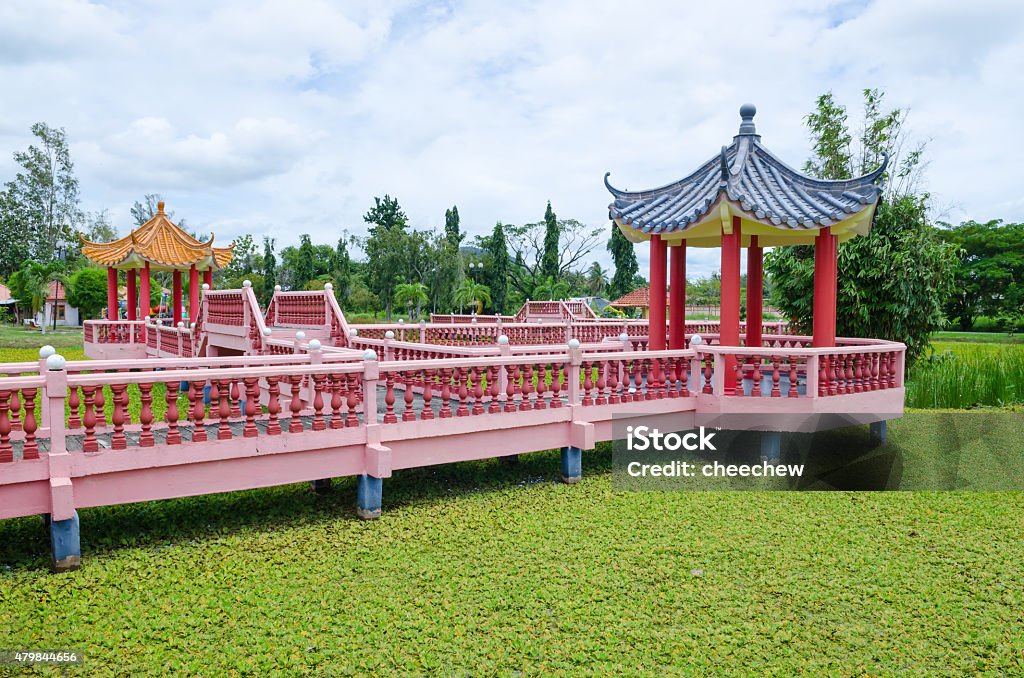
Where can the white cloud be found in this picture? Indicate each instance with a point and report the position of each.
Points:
(284, 118)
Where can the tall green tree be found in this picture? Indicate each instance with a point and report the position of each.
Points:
(452, 230)
(386, 249)
(549, 267)
(597, 279)
(893, 282)
(341, 265)
(472, 293)
(624, 260)
(498, 267)
(385, 214)
(87, 291)
(989, 273)
(305, 263)
(41, 202)
(269, 269)
(412, 296)
(528, 247)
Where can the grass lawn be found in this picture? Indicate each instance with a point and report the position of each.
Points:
(489, 567)
(979, 337)
(18, 344)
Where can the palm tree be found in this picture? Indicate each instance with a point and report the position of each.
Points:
(551, 288)
(473, 293)
(410, 294)
(32, 284)
(597, 279)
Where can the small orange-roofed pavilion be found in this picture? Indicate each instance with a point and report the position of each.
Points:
(157, 245)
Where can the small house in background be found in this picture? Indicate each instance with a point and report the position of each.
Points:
(637, 299)
(7, 301)
(57, 305)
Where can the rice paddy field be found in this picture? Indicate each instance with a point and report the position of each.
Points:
(497, 568)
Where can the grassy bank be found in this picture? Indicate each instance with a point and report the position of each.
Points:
(964, 375)
(489, 567)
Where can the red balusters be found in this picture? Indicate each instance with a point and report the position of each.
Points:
(708, 388)
(353, 400)
(319, 422)
(146, 414)
(823, 376)
(683, 370)
(409, 414)
(461, 376)
(220, 395)
(756, 377)
(171, 413)
(31, 448)
(492, 390)
(526, 403)
(389, 399)
(120, 401)
(336, 384)
(99, 408)
(542, 386)
(89, 442)
(15, 411)
(273, 406)
(588, 383)
(428, 396)
(614, 398)
(446, 378)
(235, 411)
(478, 392)
(510, 388)
(74, 420)
(794, 390)
(195, 394)
(295, 423)
(557, 384)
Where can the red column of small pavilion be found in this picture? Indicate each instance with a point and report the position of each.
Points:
(755, 292)
(677, 296)
(825, 286)
(729, 313)
(656, 318)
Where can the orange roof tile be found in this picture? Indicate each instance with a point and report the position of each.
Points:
(161, 242)
(640, 298)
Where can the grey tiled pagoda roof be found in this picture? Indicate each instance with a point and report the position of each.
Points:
(749, 176)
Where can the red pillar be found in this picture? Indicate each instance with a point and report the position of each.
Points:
(208, 277)
(133, 297)
(193, 294)
(111, 293)
(656, 322)
(176, 297)
(144, 291)
(729, 325)
(826, 248)
(755, 292)
(677, 297)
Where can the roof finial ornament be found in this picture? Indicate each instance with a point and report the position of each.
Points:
(160, 207)
(747, 113)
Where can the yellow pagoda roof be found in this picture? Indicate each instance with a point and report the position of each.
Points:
(163, 244)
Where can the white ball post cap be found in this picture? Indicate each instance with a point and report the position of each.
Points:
(574, 343)
(147, 318)
(369, 354)
(401, 321)
(473, 320)
(246, 283)
(181, 324)
(300, 335)
(277, 288)
(502, 339)
(314, 344)
(389, 335)
(46, 351)
(623, 337)
(353, 332)
(267, 331)
(55, 362)
(206, 287)
(328, 287)
(696, 340)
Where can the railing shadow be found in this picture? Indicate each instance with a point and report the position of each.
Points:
(24, 542)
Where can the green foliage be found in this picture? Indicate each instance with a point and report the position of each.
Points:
(549, 266)
(626, 267)
(411, 295)
(894, 281)
(967, 375)
(989, 274)
(341, 266)
(39, 211)
(87, 291)
(528, 246)
(550, 289)
(498, 267)
(30, 285)
(360, 298)
(597, 280)
(385, 214)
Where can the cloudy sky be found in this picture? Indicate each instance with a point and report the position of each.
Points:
(287, 118)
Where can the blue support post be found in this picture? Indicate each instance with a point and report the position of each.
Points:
(65, 544)
(771, 446)
(369, 491)
(879, 433)
(322, 486)
(572, 465)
